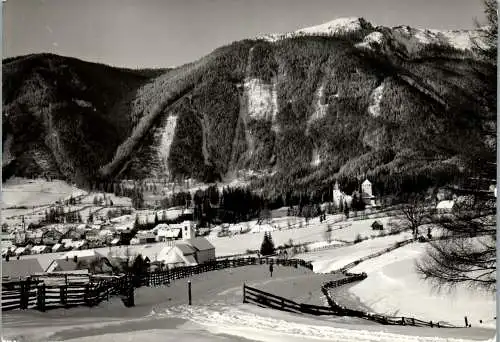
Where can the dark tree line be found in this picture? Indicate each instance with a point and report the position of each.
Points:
(57, 215)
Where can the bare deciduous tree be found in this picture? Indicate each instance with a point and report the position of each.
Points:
(414, 212)
(466, 250)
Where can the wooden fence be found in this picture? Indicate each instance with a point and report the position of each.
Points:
(33, 293)
(36, 294)
(374, 255)
(354, 277)
(265, 299)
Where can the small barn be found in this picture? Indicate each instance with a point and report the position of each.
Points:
(377, 226)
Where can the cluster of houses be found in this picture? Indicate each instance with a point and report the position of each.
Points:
(189, 250)
(69, 237)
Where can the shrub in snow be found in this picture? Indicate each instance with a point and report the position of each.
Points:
(358, 238)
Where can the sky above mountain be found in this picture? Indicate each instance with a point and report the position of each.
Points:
(163, 33)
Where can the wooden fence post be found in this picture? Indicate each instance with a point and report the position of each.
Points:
(189, 291)
(23, 303)
(86, 295)
(244, 293)
(40, 298)
(63, 295)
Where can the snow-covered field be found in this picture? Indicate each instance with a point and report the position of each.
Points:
(393, 287)
(26, 192)
(334, 259)
(314, 232)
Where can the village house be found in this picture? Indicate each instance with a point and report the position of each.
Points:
(165, 232)
(39, 249)
(51, 237)
(187, 252)
(58, 247)
(26, 250)
(143, 237)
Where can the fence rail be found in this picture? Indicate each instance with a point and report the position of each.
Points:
(265, 299)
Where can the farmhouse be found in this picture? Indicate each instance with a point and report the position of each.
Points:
(188, 252)
(181, 254)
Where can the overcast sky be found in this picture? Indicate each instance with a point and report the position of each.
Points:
(163, 33)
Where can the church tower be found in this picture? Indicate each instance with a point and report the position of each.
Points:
(337, 195)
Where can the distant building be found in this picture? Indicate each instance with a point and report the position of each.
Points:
(367, 194)
(445, 206)
(39, 249)
(339, 198)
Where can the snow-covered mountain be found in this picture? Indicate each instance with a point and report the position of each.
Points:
(377, 35)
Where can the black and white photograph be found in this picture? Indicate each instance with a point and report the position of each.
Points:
(249, 170)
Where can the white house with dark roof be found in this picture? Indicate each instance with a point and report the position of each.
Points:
(187, 252)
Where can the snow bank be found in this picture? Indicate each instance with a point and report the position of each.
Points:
(394, 287)
(269, 325)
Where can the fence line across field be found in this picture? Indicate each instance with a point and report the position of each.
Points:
(35, 293)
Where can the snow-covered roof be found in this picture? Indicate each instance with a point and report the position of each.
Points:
(56, 247)
(39, 248)
(82, 254)
(169, 232)
(105, 232)
(121, 218)
(445, 205)
(20, 250)
(366, 182)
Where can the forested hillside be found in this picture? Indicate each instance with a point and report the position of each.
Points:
(301, 111)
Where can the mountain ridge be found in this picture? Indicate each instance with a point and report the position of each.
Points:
(302, 110)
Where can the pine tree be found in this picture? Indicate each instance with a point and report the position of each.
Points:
(267, 246)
